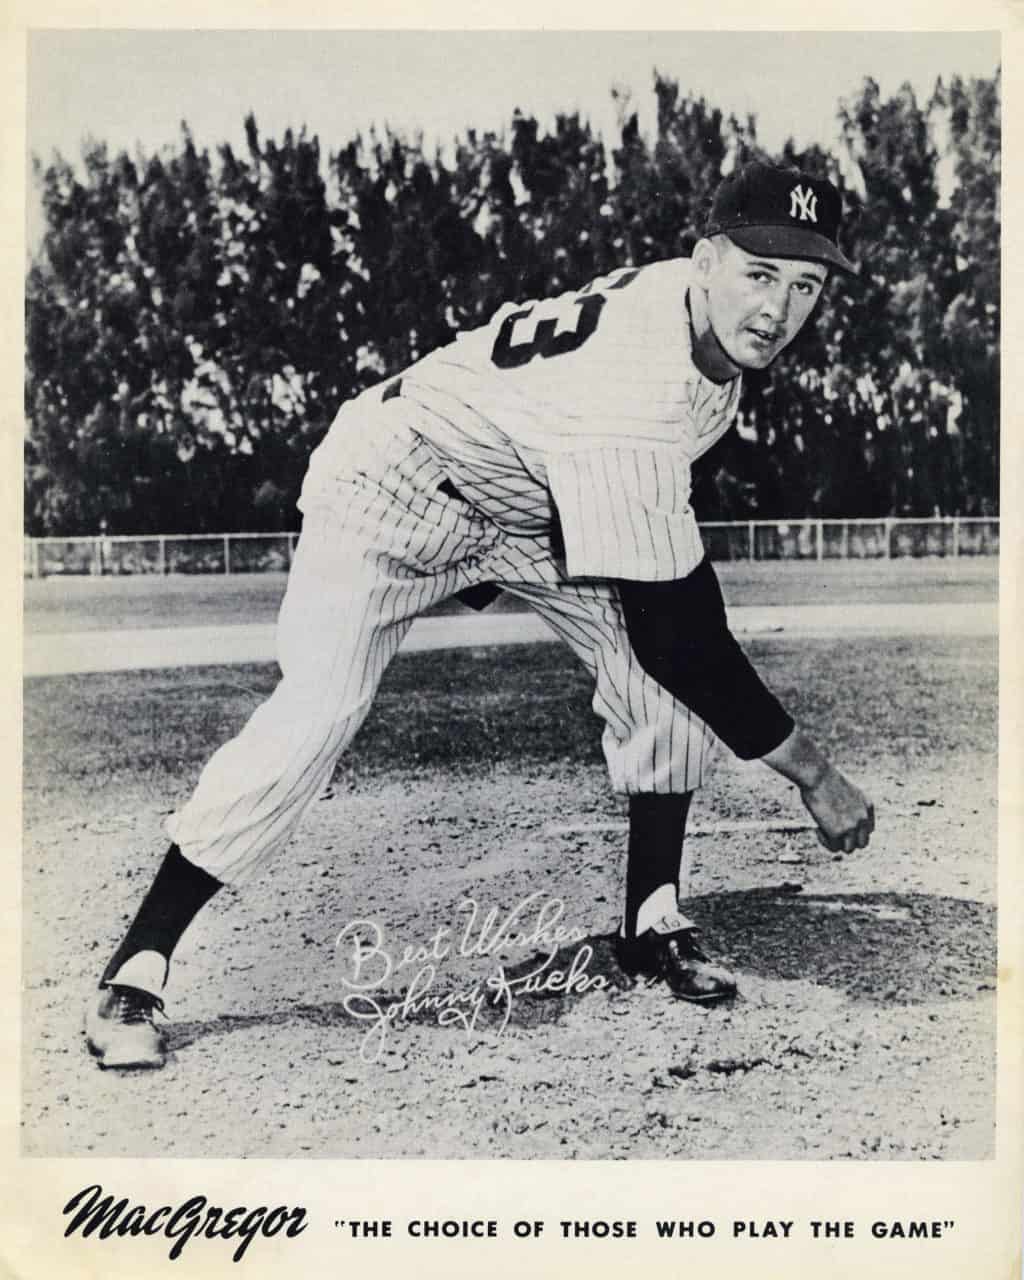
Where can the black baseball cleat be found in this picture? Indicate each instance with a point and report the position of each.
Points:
(674, 956)
(119, 1028)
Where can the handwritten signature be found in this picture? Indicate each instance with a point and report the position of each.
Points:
(534, 923)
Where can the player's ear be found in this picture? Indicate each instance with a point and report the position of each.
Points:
(705, 260)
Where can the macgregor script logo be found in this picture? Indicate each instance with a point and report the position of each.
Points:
(803, 203)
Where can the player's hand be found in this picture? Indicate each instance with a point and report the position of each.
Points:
(845, 816)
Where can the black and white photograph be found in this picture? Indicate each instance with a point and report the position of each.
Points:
(511, 529)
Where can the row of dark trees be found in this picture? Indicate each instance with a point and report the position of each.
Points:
(193, 323)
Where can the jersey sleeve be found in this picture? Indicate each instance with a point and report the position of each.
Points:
(680, 635)
(625, 512)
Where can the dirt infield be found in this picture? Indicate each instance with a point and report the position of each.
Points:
(136, 602)
(865, 1028)
(133, 650)
(208, 620)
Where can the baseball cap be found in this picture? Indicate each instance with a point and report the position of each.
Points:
(780, 213)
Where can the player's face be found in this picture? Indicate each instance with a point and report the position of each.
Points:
(757, 306)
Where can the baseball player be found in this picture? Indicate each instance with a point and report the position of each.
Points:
(547, 454)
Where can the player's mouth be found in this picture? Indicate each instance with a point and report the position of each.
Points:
(764, 338)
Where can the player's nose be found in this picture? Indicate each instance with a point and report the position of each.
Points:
(775, 305)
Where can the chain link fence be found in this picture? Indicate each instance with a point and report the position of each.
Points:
(735, 540)
(160, 554)
(883, 539)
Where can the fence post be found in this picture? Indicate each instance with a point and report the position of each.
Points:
(820, 540)
(846, 540)
(291, 549)
(35, 558)
(161, 555)
(888, 537)
(750, 538)
(227, 554)
(97, 556)
(956, 535)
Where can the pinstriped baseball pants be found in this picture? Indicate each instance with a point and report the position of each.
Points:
(380, 545)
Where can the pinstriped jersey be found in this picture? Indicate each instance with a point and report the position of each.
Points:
(589, 405)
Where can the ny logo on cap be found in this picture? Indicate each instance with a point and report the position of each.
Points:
(803, 203)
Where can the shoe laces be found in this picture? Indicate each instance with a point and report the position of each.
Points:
(134, 1006)
(686, 940)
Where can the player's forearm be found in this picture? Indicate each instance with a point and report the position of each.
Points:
(800, 759)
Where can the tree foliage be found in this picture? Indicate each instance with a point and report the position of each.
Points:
(194, 322)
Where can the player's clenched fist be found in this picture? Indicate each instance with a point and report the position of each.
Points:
(845, 816)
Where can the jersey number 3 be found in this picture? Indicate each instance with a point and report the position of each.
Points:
(578, 315)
